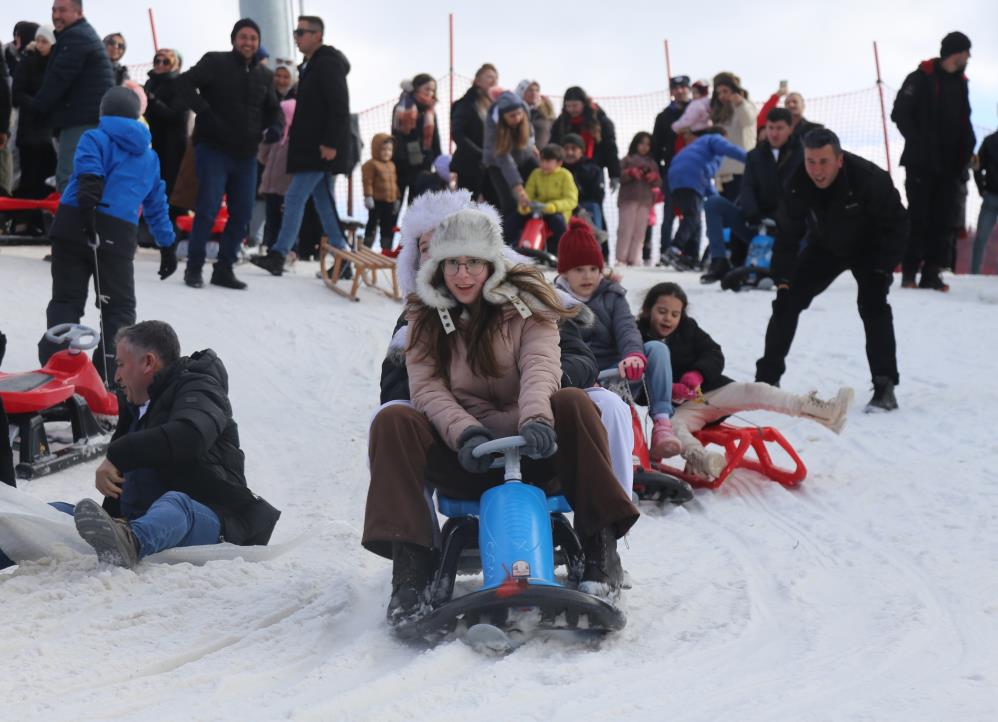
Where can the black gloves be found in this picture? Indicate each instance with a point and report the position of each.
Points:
(470, 439)
(88, 224)
(167, 261)
(542, 441)
(271, 135)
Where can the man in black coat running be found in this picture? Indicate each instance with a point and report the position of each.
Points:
(932, 111)
(318, 142)
(853, 219)
(237, 108)
(173, 475)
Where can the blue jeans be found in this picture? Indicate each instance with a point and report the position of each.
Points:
(595, 210)
(220, 174)
(722, 213)
(658, 377)
(985, 224)
(317, 184)
(69, 138)
(173, 520)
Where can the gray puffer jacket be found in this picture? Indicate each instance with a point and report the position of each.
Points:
(614, 332)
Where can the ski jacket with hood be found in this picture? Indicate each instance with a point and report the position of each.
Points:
(117, 172)
(188, 440)
(614, 332)
(322, 116)
(378, 176)
(696, 165)
(932, 111)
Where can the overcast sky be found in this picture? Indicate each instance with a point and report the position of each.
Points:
(608, 48)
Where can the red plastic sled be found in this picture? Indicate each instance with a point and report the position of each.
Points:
(10, 205)
(186, 223)
(67, 388)
(737, 440)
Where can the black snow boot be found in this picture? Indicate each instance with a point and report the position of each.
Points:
(603, 575)
(883, 395)
(193, 278)
(932, 279)
(112, 539)
(273, 263)
(222, 275)
(719, 268)
(412, 569)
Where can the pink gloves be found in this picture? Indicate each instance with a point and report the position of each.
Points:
(632, 366)
(686, 388)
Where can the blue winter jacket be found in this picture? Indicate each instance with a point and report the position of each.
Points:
(118, 151)
(696, 165)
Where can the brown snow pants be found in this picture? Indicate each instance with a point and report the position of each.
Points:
(407, 453)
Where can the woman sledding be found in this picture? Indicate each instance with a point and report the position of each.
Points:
(483, 362)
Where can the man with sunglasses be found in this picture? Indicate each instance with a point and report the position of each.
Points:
(237, 109)
(318, 142)
(78, 74)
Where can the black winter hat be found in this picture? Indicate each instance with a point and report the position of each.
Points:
(573, 139)
(955, 42)
(121, 101)
(245, 23)
(576, 93)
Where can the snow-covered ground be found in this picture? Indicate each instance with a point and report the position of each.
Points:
(870, 593)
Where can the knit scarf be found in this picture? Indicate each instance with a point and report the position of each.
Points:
(578, 126)
(406, 119)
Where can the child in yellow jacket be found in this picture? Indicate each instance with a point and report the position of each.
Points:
(554, 186)
(381, 194)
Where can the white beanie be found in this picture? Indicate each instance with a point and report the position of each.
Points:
(47, 32)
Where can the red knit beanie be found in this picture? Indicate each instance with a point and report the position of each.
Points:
(578, 247)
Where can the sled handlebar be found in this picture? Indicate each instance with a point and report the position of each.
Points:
(498, 446)
(78, 337)
(608, 375)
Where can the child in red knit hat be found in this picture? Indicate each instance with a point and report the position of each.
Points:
(614, 336)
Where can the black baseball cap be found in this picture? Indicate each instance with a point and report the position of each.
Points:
(679, 81)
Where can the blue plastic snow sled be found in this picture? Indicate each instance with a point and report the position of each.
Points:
(520, 535)
(756, 271)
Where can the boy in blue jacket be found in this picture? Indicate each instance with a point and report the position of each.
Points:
(691, 178)
(95, 231)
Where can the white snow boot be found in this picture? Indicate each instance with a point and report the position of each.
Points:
(708, 464)
(832, 413)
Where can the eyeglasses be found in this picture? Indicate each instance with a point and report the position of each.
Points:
(113, 44)
(162, 61)
(474, 266)
(300, 32)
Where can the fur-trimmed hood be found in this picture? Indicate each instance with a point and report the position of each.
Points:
(425, 214)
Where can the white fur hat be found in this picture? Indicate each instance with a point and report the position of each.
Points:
(424, 215)
(471, 232)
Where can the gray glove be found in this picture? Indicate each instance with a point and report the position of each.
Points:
(542, 441)
(369, 203)
(467, 443)
(614, 185)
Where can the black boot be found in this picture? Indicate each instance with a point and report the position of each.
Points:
(719, 268)
(883, 395)
(932, 279)
(273, 263)
(412, 569)
(193, 278)
(603, 575)
(222, 275)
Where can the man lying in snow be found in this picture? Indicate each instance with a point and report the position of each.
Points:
(173, 475)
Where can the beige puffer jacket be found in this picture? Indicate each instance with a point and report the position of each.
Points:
(530, 357)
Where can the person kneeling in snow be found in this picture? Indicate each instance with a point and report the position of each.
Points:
(115, 175)
(173, 475)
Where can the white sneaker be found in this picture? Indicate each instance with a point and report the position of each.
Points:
(831, 414)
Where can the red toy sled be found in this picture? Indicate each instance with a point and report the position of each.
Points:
(535, 235)
(737, 440)
(649, 483)
(67, 389)
(33, 214)
(186, 223)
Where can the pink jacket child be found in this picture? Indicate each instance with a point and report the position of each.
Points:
(696, 117)
(274, 157)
